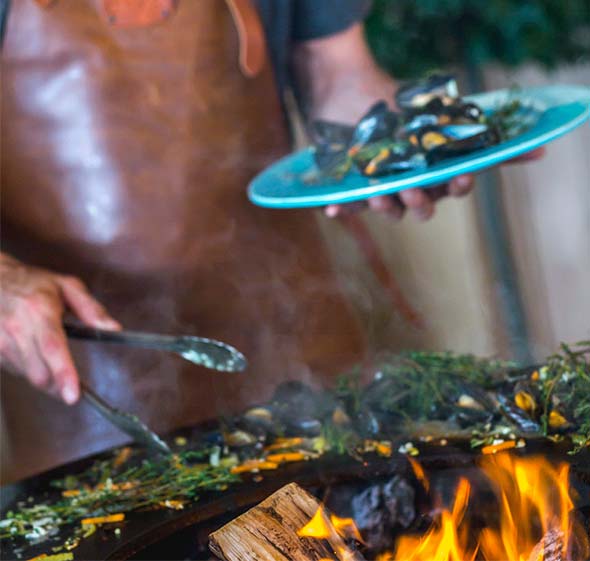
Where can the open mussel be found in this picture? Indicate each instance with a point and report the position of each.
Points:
(443, 111)
(418, 94)
(389, 157)
(379, 123)
(517, 415)
(300, 409)
(440, 142)
(331, 141)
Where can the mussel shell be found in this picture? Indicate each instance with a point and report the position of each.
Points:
(468, 111)
(378, 123)
(418, 94)
(517, 415)
(294, 391)
(295, 403)
(420, 121)
(461, 139)
(466, 418)
(333, 164)
(303, 426)
(258, 421)
(397, 165)
(331, 142)
(367, 424)
(396, 157)
(456, 111)
(239, 438)
(330, 133)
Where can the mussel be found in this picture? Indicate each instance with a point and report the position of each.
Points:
(391, 157)
(453, 140)
(299, 408)
(419, 94)
(331, 141)
(445, 111)
(379, 123)
(519, 417)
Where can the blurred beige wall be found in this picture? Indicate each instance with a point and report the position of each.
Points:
(443, 268)
(548, 209)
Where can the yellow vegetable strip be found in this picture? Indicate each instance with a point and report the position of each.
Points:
(254, 465)
(286, 457)
(104, 519)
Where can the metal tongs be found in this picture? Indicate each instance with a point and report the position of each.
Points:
(198, 350)
(126, 422)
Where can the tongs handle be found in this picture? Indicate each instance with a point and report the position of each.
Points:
(205, 352)
(128, 338)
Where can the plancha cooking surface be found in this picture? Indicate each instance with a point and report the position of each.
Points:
(143, 529)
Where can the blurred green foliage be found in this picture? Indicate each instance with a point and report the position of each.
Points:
(411, 37)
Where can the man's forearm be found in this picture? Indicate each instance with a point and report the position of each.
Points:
(338, 78)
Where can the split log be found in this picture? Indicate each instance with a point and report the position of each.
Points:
(269, 532)
(550, 548)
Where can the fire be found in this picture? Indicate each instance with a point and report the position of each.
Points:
(445, 541)
(321, 527)
(535, 520)
(534, 499)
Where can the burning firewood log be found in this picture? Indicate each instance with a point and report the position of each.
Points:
(550, 548)
(272, 531)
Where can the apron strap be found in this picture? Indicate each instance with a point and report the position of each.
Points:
(138, 13)
(251, 36)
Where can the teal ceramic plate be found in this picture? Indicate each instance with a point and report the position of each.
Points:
(286, 183)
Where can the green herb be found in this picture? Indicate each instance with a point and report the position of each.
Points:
(565, 387)
(416, 385)
(107, 490)
(512, 117)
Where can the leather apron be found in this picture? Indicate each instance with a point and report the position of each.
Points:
(126, 152)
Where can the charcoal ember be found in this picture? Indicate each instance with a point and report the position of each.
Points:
(380, 508)
(398, 496)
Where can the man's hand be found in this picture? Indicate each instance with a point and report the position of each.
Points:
(32, 340)
(421, 202)
(339, 81)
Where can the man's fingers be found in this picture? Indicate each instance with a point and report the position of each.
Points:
(461, 185)
(387, 204)
(53, 348)
(419, 202)
(86, 308)
(35, 367)
(333, 211)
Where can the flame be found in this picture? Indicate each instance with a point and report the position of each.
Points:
(535, 506)
(535, 519)
(444, 541)
(419, 473)
(318, 527)
(346, 528)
